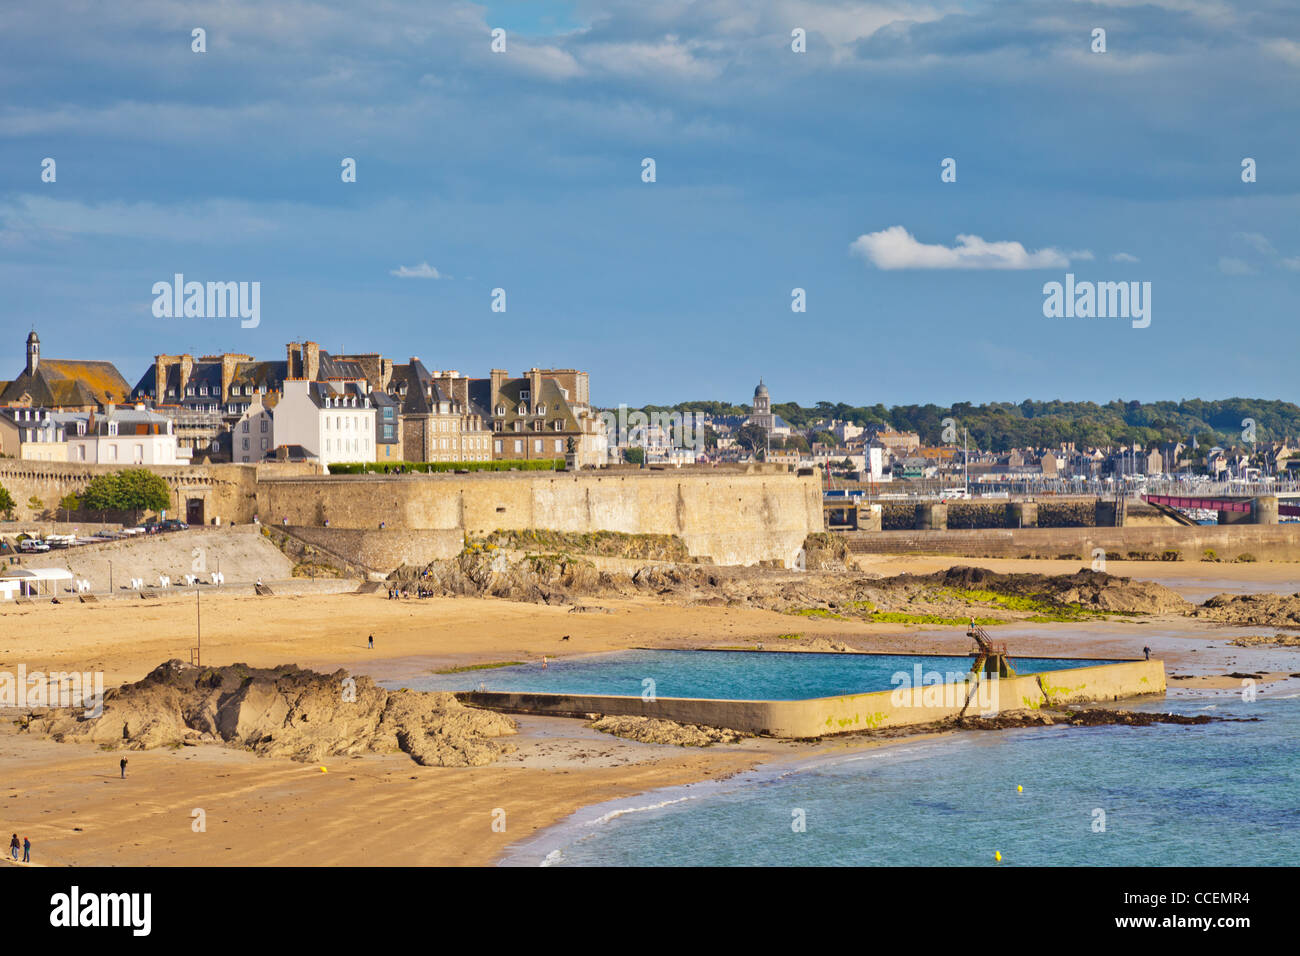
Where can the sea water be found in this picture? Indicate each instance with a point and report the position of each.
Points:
(1220, 794)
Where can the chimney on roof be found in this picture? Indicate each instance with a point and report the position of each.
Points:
(499, 376)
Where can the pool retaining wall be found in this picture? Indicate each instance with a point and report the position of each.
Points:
(818, 717)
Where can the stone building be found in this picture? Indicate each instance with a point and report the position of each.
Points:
(72, 385)
(544, 414)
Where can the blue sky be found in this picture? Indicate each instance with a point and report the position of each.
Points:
(522, 170)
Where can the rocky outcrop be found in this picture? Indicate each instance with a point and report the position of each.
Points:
(651, 730)
(1095, 590)
(288, 712)
(561, 579)
(1263, 640)
(1269, 609)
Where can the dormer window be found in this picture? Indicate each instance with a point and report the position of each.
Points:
(523, 408)
(501, 409)
(112, 428)
(525, 394)
(541, 409)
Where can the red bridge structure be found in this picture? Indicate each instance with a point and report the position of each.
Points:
(1261, 510)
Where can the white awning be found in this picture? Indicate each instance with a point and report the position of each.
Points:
(38, 574)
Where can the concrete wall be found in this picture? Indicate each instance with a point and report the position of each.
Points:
(1263, 542)
(732, 518)
(836, 715)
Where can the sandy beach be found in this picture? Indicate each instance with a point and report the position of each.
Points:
(70, 800)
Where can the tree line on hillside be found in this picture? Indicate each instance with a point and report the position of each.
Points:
(1000, 426)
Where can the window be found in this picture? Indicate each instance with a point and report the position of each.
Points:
(388, 411)
(537, 444)
(264, 424)
(519, 446)
(498, 446)
(559, 445)
(112, 453)
(265, 444)
(541, 409)
(245, 428)
(388, 431)
(525, 394)
(139, 454)
(245, 444)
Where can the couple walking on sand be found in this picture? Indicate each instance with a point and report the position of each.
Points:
(26, 847)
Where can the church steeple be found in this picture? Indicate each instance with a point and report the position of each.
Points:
(33, 352)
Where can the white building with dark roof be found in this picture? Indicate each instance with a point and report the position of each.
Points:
(332, 420)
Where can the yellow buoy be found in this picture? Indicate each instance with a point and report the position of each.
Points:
(1019, 789)
(997, 855)
(323, 770)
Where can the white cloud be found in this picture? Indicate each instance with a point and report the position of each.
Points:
(547, 61)
(1124, 257)
(896, 248)
(655, 59)
(422, 271)
(1230, 266)
(1284, 49)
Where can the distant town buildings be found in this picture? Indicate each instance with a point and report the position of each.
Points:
(312, 405)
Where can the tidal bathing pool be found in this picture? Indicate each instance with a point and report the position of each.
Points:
(727, 675)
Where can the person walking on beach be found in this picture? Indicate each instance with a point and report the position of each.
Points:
(1147, 652)
(123, 766)
(27, 850)
(372, 642)
(13, 847)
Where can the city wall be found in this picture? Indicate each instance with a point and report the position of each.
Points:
(228, 492)
(730, 518)
(1228, 542)
(824, 716)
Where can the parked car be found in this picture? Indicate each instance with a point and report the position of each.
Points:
(174, 524)
(32, 546)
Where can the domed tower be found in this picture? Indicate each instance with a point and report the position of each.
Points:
(762, 415)
(33, 352)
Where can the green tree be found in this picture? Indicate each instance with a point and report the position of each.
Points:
(751, 437)
(6, 503)
(36, 505)
(68, 504)
(634, 456)
(133, 490)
